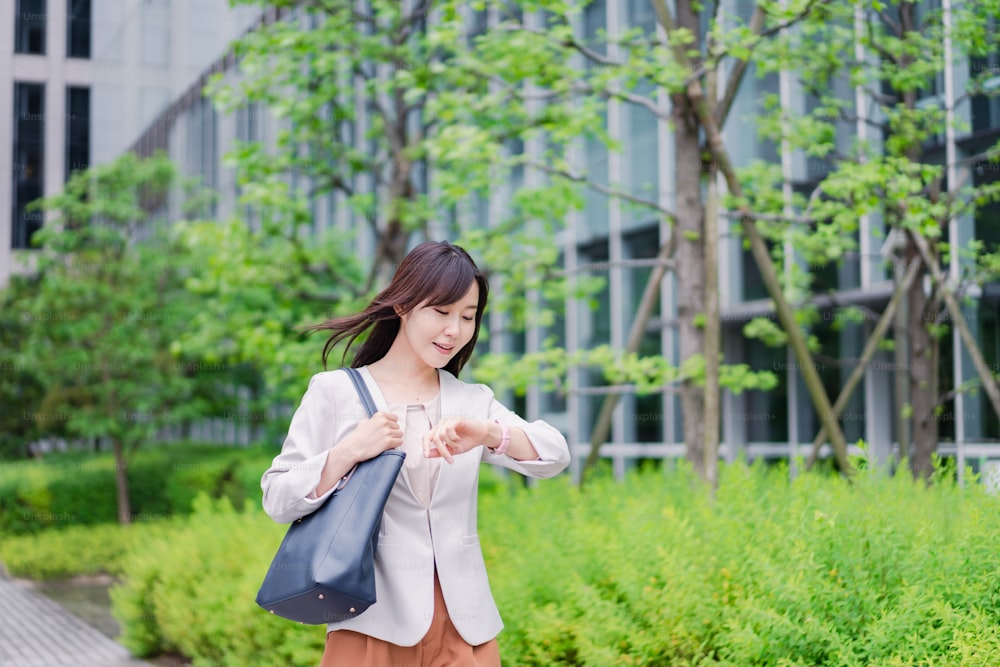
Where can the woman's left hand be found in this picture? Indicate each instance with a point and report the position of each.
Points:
(455, 436)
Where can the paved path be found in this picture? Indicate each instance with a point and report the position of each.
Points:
(37, 632)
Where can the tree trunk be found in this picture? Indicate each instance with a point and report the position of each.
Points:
(900, 357)
(921, 373)
(713, 319)
(690, 255)
(713, 334)
(121, 482)
(958, 319)
(690, 263)
(920, 370)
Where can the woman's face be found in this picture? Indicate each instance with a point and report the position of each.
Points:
(435, 334)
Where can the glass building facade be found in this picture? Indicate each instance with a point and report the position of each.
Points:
(608, 238)
(84, 79)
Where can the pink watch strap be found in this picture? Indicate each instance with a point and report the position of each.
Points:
(504, 438)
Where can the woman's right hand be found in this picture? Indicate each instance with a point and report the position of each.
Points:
(370, 438)
(375, 435)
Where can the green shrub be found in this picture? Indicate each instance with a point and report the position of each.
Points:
(816, 572)
(193, 591)
(78, 488)
(76, 550)
(880, 572)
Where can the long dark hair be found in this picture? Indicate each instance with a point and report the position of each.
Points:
(436, 272)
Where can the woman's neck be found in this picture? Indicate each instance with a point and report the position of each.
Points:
(404, 381)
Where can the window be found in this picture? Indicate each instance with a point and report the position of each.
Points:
(77, 130)
(78, 28)
(642, 169)
(511, 11)
(640, 14)
(478, 24)
(834, 364)
(515, 147)
(29, 149)
(986, 71)
(595, 328)
(987, 231)
(764, 417)
(248, 130)
(645, 412)
(594, 24)
(751, 278)
(989, 340)
(202, 154)
(29, 23)
(598, 328)
(596, 211)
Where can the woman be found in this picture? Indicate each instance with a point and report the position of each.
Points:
(434, 602)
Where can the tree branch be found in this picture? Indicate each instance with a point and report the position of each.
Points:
(648, 203)
(958, 319)
(635, 336)
(696, 96)
(948, 396)
(757, 21)
(739, 69)
(638, 100)
(571, 43)
(769, 217)
(878, 46)
(419, 13)
(963, 176)
(783, 309)
(866, 355)
(886, 19)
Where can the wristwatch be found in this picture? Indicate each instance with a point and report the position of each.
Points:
(504, 439)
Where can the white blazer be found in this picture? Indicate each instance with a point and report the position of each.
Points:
(411, 538)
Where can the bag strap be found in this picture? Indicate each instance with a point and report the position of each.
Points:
(367, 402)
(363, 393)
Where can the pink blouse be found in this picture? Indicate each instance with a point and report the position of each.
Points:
(417, 419)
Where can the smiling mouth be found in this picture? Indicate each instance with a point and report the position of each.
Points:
(444, 349)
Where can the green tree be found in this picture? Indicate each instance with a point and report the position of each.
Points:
(701, 70)
(254, 288)
(890, 176)
(103, 309)
(400, 169)
(313, 70)
(540, 61)
(20, 390)
(451, 106)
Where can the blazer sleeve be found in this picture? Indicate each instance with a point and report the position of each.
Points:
(552, 448)
(318, 423)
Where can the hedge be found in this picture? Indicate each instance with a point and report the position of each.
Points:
(79, 488)
(58, 553)
(880, 572)
(820, 571)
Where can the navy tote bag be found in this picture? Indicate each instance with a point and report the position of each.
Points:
(324, 570)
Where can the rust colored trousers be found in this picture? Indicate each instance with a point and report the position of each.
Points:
(442, 646)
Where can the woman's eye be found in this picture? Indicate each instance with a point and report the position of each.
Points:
(468, 319)
(440, 312)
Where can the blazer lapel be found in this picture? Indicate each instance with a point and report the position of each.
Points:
(383, 406)
(451, 406)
